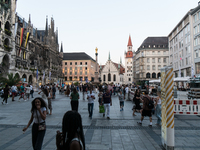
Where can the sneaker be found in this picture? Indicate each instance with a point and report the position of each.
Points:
(2, 103)
(6, 103)
(13, 100)
(108, 117)
(19, 101)
(150, 125)
(103, 115)
(140, 123)
(122, 108)
(25, 100)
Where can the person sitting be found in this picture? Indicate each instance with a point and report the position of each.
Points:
(71, 137)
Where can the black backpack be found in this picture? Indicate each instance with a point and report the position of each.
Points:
(150, 104)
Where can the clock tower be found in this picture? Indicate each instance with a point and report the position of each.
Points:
(128, 57)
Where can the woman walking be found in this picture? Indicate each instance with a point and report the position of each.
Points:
(136, 99)
(74, 100)
(158, 108)
(71, 137)
(38, 116)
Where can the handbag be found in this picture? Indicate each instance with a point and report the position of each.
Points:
(42, 126)
(101, 109)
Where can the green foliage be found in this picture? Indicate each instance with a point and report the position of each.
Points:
(10, 80)
(76, 83)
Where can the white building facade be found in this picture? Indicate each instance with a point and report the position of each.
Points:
(112, 72)
(184, 45)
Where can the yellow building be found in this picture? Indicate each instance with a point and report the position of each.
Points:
(78, 67)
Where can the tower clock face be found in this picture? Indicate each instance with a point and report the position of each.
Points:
(129, 60)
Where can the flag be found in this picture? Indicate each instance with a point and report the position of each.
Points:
(16, 26)
(21, 39)
(49, 75)
(27, 38)
(43, 75)
(37, 74)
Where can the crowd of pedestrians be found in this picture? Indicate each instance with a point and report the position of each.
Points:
(71, 135)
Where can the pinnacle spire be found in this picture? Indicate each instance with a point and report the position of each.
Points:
(61, 49)
(46, 28)
(29, 20)
(129, 41)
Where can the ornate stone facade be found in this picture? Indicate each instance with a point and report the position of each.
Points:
(29, 50)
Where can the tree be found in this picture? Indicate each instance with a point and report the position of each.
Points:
(11, 80)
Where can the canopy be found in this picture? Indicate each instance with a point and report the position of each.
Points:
(155, 81)
(181, 79)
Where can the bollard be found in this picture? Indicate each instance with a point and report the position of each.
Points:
(167, 98)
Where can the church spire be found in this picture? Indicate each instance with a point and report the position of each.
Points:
(109, 56)
(129, 41)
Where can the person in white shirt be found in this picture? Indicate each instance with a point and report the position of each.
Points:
(14, 90)
(28, 90)
(126, 92)
(90, 97)
(31, 90)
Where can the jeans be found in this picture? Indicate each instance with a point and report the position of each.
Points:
(37, 137)
(74, 105)
(107, 106)
(54, 94)
(158, 113)
(90, 109)
(32, 94)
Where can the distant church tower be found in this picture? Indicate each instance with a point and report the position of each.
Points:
(128, 57)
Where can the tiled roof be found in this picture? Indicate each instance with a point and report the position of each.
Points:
(122, 69)
(154, 42)
(129, 41)
(77, 56)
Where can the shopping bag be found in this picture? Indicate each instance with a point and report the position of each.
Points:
(101, 109)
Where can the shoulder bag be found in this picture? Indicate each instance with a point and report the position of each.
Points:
(42, 126)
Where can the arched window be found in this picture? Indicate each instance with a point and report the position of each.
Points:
(109, 77)
(114, 77)
(158, 75)
(104, 77)
(7, 28)
(148, 75)
(154, 75)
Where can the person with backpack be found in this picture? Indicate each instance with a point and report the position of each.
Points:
(147, 108)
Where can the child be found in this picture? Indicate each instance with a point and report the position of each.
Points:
(121, 101)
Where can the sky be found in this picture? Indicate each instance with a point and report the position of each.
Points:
(84, 25)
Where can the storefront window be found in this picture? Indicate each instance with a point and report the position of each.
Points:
(197, 68)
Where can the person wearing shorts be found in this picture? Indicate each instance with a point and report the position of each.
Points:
(146, 111)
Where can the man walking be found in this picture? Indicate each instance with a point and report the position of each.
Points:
(146, 110)
(107, 101)
(90, 98)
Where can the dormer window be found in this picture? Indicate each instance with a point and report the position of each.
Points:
(149, 46)
(154, 46)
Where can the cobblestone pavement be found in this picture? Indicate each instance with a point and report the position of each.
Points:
(121, 132)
